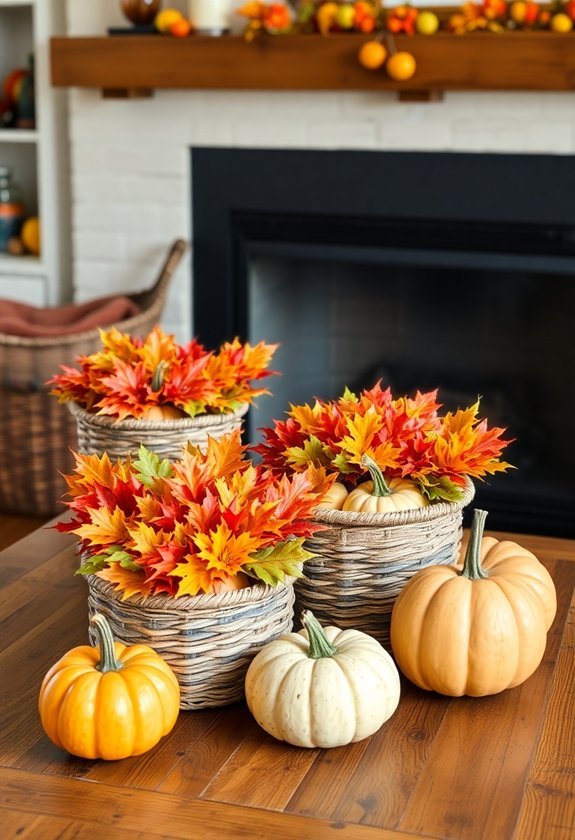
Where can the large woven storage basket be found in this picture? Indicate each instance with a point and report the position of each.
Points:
(98, 433)
(364, 559)
(37, 433)
(208, 640)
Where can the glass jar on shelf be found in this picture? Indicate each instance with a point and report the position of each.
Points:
(11, 208)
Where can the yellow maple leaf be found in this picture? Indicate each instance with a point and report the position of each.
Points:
(225, 551)
(126, 581)
(362, 430)
(105, 527)
(195, 577)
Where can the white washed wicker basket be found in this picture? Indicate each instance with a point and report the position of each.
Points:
(98, 433)
(208, 640)
(363, 560)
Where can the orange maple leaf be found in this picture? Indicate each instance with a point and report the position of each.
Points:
(106, 527)
(126, 581)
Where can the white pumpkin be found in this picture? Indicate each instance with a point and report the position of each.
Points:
(322, 687)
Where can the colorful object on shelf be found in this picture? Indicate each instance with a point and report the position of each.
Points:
(401, 20)
(478, 628)
(407, 437)
(128, 376)
(165, 19)
(11, 208)
(372, 55)
(30, 235)
(112, 702)
(205, 523)
(322, 687)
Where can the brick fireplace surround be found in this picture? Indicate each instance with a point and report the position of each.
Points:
(130, 161)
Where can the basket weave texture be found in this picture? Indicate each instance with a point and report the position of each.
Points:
(99, 433)
(208, 640)
(37, 433)
(364, 560)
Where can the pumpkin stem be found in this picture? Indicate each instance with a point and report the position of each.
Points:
(319, 644)
(158, 377)
(472, 563)
(108, 661)
(380, 487)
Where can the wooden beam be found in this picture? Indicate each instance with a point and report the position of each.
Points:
(510, 61)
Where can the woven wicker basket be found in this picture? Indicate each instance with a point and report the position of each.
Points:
(37, 433)
(364, 559)
(209, 640)
(99, 433)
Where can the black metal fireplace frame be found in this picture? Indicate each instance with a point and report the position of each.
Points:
(503, 211)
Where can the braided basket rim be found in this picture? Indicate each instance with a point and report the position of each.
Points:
(132, 424)
(190, 603)
(354, 519)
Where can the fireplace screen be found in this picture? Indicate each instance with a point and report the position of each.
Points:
(439, 284)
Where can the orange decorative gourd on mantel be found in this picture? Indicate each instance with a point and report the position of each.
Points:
(478, 628)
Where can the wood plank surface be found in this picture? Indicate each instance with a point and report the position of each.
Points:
(465, 768)
(507, 61)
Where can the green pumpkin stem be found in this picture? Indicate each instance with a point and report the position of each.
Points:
(158, 377)
(319, 645)
(380, 487)
(108, 661)
(472, 563)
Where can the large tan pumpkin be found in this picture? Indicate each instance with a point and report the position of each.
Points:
(476, 628)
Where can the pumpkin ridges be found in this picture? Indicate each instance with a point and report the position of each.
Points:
(71, 731)
(493, 650)
(530, 624)
(142, 691)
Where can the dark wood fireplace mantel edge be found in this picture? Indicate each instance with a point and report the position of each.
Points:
(136, 65)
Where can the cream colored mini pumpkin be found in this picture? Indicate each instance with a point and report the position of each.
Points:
(381, 496)
(335, 497)
(322, 687)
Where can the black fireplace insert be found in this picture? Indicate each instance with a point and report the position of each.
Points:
(421, 270)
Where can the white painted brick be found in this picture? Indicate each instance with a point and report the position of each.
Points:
(275, 133)
(211, 132)
(352, 134)
(405, 134)
(98, 246)
(170, 159)
(98, 188)
(366, 104)
(154, 190)
(513, 136)
(500, 105)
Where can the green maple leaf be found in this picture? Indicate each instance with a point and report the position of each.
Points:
(112, 554)
(312, 452)
(195, 407)
(348, 396)
(271, 565)
(343, 465)
(441, 488)
(150, 467)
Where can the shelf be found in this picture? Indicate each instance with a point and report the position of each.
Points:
(138, 64)
(18, 135)
(21, 265)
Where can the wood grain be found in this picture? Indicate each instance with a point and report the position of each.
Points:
(508, 61)
(465, 768)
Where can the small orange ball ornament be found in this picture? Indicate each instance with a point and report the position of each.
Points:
(181, 28)
(372, 55)
(401, 66)
(561, 23)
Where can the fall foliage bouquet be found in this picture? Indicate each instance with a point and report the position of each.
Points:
(155, 378)
(208, 522)
(407, 437)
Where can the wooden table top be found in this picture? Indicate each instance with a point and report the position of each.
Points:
(492, 768)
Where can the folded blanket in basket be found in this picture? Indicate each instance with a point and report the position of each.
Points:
(31, 321)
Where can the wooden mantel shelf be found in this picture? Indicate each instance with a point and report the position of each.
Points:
(537, 61)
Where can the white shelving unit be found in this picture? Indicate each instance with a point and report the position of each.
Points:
(37, 157)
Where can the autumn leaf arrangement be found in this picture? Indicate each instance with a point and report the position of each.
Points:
(156, 378)
(209, 522)
(407, 437)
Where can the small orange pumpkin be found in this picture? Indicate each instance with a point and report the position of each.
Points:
(335, 496)
(476, 628)
(109, 702)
